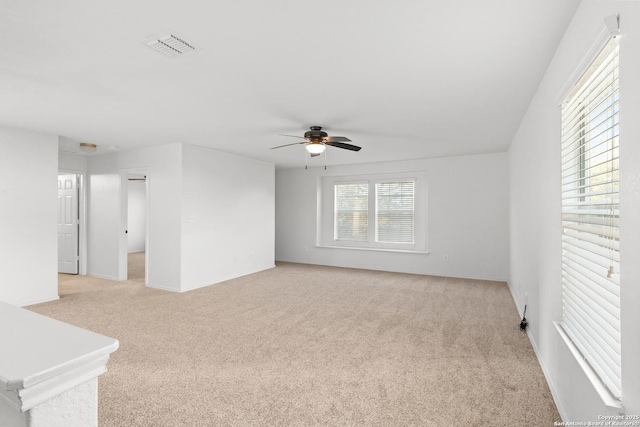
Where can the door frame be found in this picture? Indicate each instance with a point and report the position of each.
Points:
(123, 249)
(82, 217)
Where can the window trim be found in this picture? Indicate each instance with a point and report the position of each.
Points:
(326, 209)
(608, 398)
(594, 379)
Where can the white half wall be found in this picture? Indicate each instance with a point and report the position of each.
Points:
(28, 209)
(467, 218)
(534, 160)
(228, 216)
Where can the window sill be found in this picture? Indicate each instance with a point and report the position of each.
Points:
(603, 392)
(403, 251)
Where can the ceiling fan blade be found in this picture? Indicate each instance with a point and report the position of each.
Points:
(291, 136)
(286, 145)
(338, 139)
(343, 145)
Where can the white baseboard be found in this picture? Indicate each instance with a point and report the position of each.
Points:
(226, 278)
(100, 276)
(545, 371)
(40, 301)
(162, 288)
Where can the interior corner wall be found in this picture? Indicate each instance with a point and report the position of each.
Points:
(163, 166)
(228, 217)
(28, 225)
(534, 165)
(467, 218)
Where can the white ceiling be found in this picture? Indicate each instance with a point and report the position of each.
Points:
(403, 79)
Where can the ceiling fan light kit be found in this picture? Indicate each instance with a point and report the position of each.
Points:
(315, 148)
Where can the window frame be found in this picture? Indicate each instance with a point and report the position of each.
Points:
(377, 210)
(577, 180)
(326, 212)
(336, 228)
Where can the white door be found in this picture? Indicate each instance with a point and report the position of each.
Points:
(68, 224)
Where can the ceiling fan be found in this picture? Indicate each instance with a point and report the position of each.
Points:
(316, 141)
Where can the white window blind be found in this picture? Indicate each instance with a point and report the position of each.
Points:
(352, 212)
(590, 212)
(394, 212)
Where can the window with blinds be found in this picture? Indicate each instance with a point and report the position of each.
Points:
(375, 213)
(394, 212)
(590, 212)
(351, 221)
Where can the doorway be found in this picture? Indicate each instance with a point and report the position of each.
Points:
(109, 225)
(136, 225)
(68, 220)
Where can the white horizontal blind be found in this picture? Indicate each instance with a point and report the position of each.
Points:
(351, 212)
(590, 212)
(395, 211)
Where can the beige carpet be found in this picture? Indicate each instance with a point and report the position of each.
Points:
(309, 345)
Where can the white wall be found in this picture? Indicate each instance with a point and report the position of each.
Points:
(72, 162)
(228, 216)
(137, 216)
(210, 214)
(163, 167)
(28, 209)
(534, 160)
(467, 218)
(105, 225)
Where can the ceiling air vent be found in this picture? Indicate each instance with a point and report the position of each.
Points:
(170, 45)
